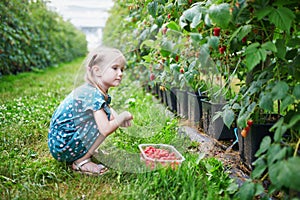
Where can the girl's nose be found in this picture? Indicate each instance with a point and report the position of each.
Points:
(120, 72)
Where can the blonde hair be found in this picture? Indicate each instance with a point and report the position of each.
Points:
(103, 57)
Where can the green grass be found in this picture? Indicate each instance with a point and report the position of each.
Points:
(27, 171)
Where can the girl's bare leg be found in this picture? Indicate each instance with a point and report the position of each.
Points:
(90, 166)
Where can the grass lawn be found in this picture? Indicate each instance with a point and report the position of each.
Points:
(27, 171)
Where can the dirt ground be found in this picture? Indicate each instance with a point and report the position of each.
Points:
(225, 151)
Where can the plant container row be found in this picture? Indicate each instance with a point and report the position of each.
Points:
(200, 112)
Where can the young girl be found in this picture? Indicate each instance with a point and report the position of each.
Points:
(84, 119)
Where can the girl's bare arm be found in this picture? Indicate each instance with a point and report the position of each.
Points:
(105, 126)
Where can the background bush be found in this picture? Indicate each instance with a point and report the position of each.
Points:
(34, 37)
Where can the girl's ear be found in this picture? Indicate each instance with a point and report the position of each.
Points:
(97, 71)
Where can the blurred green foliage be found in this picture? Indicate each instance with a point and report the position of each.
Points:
(34, 37)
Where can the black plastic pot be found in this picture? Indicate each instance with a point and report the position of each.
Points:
(171, 99)
(182, 103)
(195, 108)
(156, 86)
(165, 97)
(251, 143)
(216, 129)
(153, 90)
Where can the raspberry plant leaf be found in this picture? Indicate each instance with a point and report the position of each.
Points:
(192, 17)
(269, 46)
(275, 153)
(282, 18)
(249, 190)
(280, 90)
(253, 56)
(182, 2)
(220, 14)
(286, 173)
(296, 91)
(213, 41)
(286, 101)
(263, 12)
(244, 31)
(228, 117)
(152, 8)
(259, 169)
(281, 49)
(266, 102)
(264, 146)
(196, 37)
(173, 25)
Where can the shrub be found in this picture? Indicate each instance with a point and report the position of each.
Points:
(33, 37)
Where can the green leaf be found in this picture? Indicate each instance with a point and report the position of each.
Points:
(253, 56)
(293, 120)
(251, 108)
(252, 60)
(247, 191)
(259, 189)
(213, 41)
(147, 58)
(269, 46)
(152, 8)
(196, 20)
(207, 20)
(189, 14)
(263, 54)
(278, 126)
(263, 12)
(252, 48)
(193, 15)
(282, 18)
(286, 102)
(182, 22)
(220, 15)
(264, 146)
(153, 28)
(296, 91)
(286, 173)
(228, 117)
(166, 45)
(280, 90)
(173, 25)
(182, 2)
(275, 153)
(266, 102)
(236, 106)
(196, 37)
(241, 121)
(281, 48)
(174, 67)
(258, 171)
(149, 43)
(244, 31)
(235, 33)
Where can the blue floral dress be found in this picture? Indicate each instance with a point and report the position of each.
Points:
(73, 129)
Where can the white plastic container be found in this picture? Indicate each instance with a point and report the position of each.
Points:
(173, 160)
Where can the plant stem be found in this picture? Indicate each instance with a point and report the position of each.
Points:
(264, 177)
(296, 148)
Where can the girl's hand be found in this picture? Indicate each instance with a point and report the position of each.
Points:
(124, 119)
(126, 123)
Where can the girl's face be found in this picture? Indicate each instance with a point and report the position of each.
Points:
(112, 75)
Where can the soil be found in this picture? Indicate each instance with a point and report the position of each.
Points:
(225, 151)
